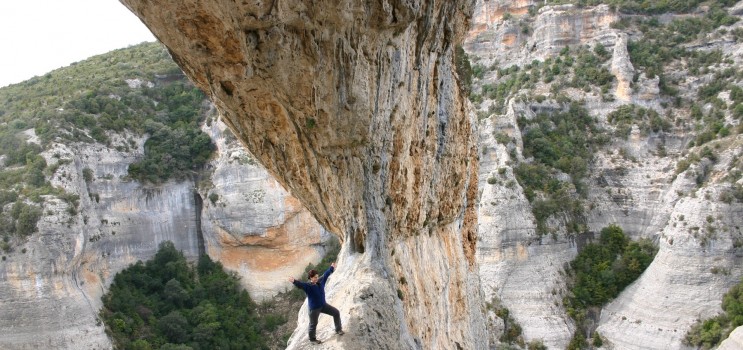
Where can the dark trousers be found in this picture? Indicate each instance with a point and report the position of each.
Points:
(328, 310)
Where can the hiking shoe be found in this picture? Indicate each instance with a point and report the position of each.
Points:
(340, 332)
(316, 341)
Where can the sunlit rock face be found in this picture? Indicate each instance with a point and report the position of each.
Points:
(509, 33)
(734, 341)
(356, 109)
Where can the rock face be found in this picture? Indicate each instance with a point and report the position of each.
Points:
(355, 108)
(51, 287)
(734, 341)
(524, 35)
(251, 224)
(518, 270)
(633, 185)
(697, 238)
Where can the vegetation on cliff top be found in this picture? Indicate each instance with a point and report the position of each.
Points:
(107, 99)
(133, 91)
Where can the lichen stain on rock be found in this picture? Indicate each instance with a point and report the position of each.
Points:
(257, 259)
(90, 277)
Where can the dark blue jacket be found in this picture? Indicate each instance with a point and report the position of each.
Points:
(315, 291)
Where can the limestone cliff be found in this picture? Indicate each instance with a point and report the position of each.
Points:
(51, 285)
(251, 224)
(634, 184)
(508, 32)
(735, 341)
(355, 108)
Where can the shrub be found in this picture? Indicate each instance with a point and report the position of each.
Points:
(213, 197)
(709, 333)
(27, 220)
(170, 153)
(502, 138)
(464, 70)
(597, 340)
(646, 119)
(536, 345)
(87, 174)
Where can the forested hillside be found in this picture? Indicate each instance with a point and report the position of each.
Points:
(90, 102)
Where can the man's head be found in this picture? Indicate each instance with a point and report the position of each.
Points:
(313, 276)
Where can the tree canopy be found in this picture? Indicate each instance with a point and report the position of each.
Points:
(166, 303)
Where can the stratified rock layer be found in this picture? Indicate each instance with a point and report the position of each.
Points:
(355, 108)
(632, 184)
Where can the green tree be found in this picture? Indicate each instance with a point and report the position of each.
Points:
(175, 327)
(27, 220)
(464, 70)
(169, 303)
(600, 272)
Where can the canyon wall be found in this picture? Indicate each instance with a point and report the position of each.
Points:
(52, 284)
(251, 224)
(633, 185)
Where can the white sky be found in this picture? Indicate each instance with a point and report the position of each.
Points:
(38, 36)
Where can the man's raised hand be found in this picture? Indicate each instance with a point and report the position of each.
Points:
(333, 266)
(291, 279)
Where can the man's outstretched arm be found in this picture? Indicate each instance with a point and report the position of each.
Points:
(328, 272)
(299, 284)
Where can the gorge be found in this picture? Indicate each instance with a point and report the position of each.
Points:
(358, 110)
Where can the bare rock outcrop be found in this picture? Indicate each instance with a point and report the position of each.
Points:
(734, 341)
(251, 224)
(621, 67)
(355, 108)
(524, 36)
(519, 270)
(698, 259)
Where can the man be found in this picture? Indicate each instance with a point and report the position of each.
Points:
(315, 291)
